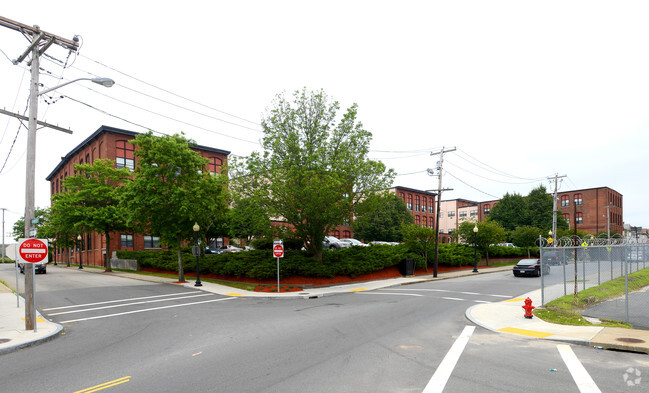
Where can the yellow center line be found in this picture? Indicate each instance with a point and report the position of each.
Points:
(105, 385)
(514, 300)
(357, 290)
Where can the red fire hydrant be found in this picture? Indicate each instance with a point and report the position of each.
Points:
(528, 307)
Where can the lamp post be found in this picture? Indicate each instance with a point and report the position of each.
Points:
(475, 249)
(79, 238)
(198, 251)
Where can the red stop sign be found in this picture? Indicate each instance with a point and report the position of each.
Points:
(278, 251)
(33, 250)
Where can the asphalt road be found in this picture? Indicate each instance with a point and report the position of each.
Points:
(144, 337)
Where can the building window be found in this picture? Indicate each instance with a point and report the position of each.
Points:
(486, 209)
(126, 240)
(425, 221)
(347, 234)
(565, 201)
(409, 204)
(580, 218)
(474, 213)
(417, 203)
(566, 216)
(124, 157)
(402, 196)
(578, 199)
(451, 213)
(430, 209)
(151, 241)
(87, 158)
(214, 165)
(417, 220)
(463, 213)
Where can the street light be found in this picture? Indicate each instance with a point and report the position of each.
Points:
(198, 251)
(79, 238)
(30, 173)
(475, 249)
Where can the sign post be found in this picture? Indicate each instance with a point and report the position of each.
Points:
(31, 251)
(278, 252)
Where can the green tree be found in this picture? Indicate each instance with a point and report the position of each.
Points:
(509, 212)
(18, 230)
(526, 236)
(247, 219)
(419, 239)
(489, 232)
(314, 169)
(92, 202)
(171, 190)
(380, 217)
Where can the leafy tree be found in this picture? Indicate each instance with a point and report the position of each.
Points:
(247, 219)
(171, 190)
(91, 203)
(509, 212)
(380, 217)
(314, 169)
(18, 230)
(419, 239)
(489, 232)
(526, 236)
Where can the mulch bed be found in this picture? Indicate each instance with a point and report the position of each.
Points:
(299, 282)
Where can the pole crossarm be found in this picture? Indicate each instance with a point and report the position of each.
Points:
(41, 123)
(29, 30)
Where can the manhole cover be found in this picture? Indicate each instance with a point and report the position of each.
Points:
(4, 340)
(630, 340)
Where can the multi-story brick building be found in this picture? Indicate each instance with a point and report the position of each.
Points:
(420, 203)
(455, 211)
(113, 143)
(594, 210)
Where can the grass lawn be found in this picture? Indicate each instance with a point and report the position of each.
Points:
(566, 310)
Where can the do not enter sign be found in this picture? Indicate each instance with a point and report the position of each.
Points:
(278, 251)
(33, 251)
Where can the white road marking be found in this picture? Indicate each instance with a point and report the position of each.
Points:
(393, 294)
(583, 380)
(147, 309)
(442, 290)
(443, 372)
(116, 301)
(452, 298)
(129, 304)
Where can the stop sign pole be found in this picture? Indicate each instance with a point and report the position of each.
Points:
(278, 252)
(31, 251)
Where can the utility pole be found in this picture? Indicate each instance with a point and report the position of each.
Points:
(439, 200)
(555, 178)
(40, 42)
(3, 234)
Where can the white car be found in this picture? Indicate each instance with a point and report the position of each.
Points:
(230, 248)
(333, 243)
(354, 242)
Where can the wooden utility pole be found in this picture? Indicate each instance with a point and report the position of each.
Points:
(555, 178)
(439, 200)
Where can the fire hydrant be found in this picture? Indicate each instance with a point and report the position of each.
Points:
(528, 307)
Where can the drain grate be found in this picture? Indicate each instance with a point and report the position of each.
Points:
(630, 340)
(4, 340)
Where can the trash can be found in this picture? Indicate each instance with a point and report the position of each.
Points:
(407, 267)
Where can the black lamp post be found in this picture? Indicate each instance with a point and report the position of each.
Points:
(79, 249)
(475, 249)
(198, 251)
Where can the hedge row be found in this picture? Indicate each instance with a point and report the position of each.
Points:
(259, 264)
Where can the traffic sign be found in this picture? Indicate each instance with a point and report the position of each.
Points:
(278, 251)
(33, 250)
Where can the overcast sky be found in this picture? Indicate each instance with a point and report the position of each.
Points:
(523, 90)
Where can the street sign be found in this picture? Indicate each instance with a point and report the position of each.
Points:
(278, 251)
(33, 250)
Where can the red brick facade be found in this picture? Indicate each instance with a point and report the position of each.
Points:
(590, 207)
(108, 142)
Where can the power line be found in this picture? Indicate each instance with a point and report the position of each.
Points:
(494, 180)
(468, 185)
(493, 170)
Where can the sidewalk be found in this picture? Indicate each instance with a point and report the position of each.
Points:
(503, 317)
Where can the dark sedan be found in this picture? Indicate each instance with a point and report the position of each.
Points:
(530, 267)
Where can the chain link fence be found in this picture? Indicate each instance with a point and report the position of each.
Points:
(577, 264)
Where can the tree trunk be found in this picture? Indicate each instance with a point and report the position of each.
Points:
(67, 257)
(181, 272)
(107, 259)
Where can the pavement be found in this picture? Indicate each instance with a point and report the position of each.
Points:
(504, 317)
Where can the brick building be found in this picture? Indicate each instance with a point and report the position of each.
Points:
(594, 209)
(113, 143)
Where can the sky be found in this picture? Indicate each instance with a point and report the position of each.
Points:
(521, 90)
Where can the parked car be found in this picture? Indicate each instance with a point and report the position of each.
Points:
(634, 255)
(354, 242)
(230, 248)
(506, 245)
(39, 267)
(554, 258)
(333, 243)
(530, 267)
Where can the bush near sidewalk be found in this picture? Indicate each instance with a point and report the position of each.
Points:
(260, 264)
